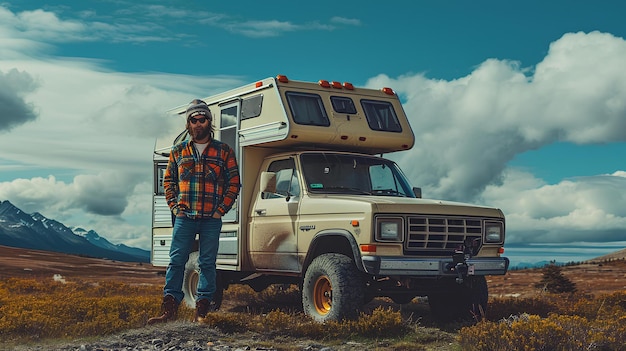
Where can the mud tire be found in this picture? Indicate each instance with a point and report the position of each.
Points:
(190, 283)
(333, 289)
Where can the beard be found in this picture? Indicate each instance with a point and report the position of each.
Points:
(199, 132)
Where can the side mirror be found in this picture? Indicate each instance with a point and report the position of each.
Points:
(268, 182)
(418, 192)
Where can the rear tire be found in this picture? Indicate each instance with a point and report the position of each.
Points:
(333, 289)
(190, 283)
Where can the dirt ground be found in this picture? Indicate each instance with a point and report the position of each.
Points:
(591, 278)
(25, 263)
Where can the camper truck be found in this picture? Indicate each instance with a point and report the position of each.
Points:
(321, 207)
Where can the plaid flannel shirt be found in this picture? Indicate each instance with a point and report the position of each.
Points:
(196, 185)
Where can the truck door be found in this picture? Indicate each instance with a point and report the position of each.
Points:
(273, 238)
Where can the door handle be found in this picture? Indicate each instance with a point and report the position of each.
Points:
(261, 211)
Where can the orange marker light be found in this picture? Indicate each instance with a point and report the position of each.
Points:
(324, 83)
(354, 223)
(259, 84)
(501, 250)
(282, 78)
(348, 86)
(336, 85)
(368, 248)
(388, 91)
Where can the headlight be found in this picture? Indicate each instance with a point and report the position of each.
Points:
(389, 229)
(494, 232)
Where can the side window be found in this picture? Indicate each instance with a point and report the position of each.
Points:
(251, 107)
(159, 171)
(286, 179)
(381, 116)
(307, 109)
(228, 126)
(343, 105)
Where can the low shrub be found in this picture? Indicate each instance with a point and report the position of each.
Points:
(35, 309)
(573, 324)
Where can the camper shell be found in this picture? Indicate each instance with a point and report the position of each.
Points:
(322, 208)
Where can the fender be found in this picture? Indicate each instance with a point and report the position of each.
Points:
(350, 247)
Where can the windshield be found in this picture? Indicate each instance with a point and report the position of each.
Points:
(332, 173)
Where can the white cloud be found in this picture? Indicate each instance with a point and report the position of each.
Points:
(137, 23)
(346, 21)
(38, 28)
(37, 194)
(46, 26)
(469, 128)
(262, 28)
(103, 194)
(89, 117)
(620, 174)
(582, 209)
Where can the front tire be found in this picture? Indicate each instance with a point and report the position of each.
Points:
(190, 283)
(333, 289)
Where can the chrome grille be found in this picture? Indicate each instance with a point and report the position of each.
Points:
(431, 235)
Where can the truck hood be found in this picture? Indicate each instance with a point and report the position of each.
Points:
(386, 204)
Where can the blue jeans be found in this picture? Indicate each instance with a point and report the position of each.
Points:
(183, 238)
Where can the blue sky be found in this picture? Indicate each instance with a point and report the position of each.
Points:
(521, 106)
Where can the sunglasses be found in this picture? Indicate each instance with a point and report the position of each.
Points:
(194, 120)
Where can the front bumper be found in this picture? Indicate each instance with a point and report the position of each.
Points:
(402, 266)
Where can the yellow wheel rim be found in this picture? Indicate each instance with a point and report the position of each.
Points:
(323, 295)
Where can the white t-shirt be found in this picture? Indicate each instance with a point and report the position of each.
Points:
(200, 147)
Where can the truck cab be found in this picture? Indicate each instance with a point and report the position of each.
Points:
(321, 207)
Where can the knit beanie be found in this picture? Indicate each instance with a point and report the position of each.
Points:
(198, 107)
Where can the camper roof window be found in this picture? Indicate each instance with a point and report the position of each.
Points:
(343, 104)
(381, 116)
(307, 109)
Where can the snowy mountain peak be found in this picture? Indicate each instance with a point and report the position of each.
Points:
(35, 231)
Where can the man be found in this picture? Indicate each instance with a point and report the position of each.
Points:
(201, 184)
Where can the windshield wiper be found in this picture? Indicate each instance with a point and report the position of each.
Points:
(342, 189)
(388, 192)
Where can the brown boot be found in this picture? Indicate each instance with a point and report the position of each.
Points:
(203, 306)
(169, 307)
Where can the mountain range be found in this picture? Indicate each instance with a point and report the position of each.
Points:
(35, 231)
